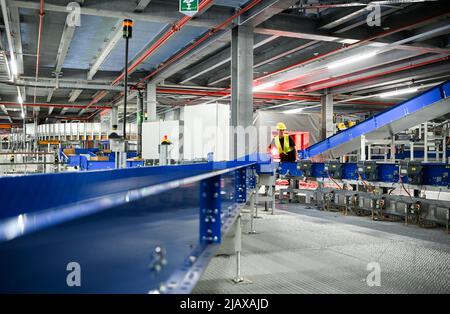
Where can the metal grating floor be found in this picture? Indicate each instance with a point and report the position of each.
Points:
(303, 250)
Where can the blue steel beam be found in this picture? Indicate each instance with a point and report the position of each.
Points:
(426, 106)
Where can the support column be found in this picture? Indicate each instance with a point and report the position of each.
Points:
(151, 102)
(425, 142)
(327, 116)
(241, 91)
(393, 148)
(114, 117)
(444, 148)
(363, 148)
(139, 120)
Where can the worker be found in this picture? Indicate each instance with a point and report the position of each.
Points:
(285, 145)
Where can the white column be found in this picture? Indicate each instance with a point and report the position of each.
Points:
(393, 148)
(113, 120)
(363, 148)
(444, 149)
(327, 116)
(151, 102)
(411, 151)
(425, 142)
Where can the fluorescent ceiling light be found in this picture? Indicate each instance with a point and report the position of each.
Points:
(263, 86)
(351, 60)
(299, 110)
(399, 92)
(293, 111)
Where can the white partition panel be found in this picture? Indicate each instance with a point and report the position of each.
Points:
(153, 133)
(206, 129)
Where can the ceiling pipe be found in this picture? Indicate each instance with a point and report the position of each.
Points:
(195, 44)
(332, 82)
(3, 103)
(355, 45)
(262, 96)
(174, 29)
(38, 50)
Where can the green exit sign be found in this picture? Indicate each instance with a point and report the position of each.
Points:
(189, 7)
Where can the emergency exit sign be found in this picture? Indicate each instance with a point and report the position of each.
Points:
(189, 7)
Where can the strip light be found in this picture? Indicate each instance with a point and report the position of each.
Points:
(299, 110)
(263, 86)
(399, 92)
(351, 60)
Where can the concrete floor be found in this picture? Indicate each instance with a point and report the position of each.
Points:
(304, 250)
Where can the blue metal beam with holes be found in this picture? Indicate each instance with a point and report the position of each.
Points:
(133, 230)
(423, 107)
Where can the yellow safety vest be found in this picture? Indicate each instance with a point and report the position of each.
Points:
(286, 149)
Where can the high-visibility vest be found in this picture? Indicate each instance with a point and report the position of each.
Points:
(286, 148)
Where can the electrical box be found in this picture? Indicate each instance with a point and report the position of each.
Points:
(412, 170)
(333, 169)
(368, 170)
(305, 166)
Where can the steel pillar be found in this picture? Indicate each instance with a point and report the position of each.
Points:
(139, 120)
(242, 43)
(327, 116)
(393, 148)
(114, 117)
(425, 142)
(151, 102)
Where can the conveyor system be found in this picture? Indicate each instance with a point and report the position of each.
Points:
(367, 186)
(140, 230)
(412, 171)
(368, 170)
(426, 106)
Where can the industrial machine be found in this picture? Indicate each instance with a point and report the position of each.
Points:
(412, 171)
(368, 170)
(333, 169)
(306, 167)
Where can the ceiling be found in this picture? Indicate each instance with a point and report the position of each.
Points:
(295, 43)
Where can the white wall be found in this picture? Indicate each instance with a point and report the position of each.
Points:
(206, 129)
(152, 134)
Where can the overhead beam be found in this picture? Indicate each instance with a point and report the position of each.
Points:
(317, 72)
(286, 49)
(256, 15)
(64, 45)
(161, 13)
(111, 41)
(342, 17)
(17, 36)
(377, 72)
(411, 76)
(288, 25)
(219, 59)
(74, 94)
(141, 5)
